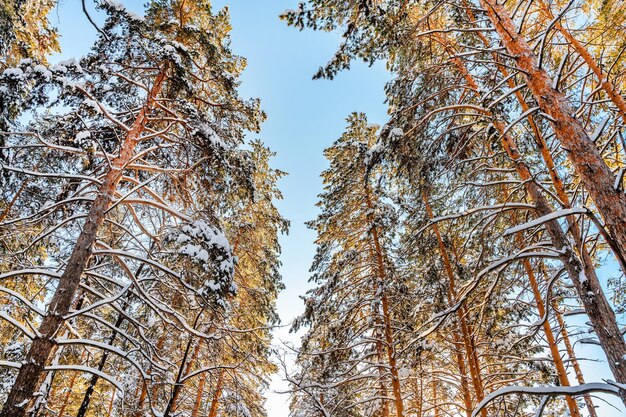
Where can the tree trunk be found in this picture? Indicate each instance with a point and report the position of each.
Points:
(583, 154)
(199, 392)
(144, 386)
(388, 331)
(171, 404)
(183, 370)
(70, 388)
(607, 86)
(572, 405)
(582, 274)
(20, 398)
(217, 394)
(574, 229)
(470, 352)
(572, 358)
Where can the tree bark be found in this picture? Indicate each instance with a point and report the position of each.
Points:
(582, 274)
(470, 352)
(605, 83)
(388, 331)
(217, 394)
(20, 398)
(595, 175)
(199, 392)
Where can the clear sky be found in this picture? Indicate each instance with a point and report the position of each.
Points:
(304, 117)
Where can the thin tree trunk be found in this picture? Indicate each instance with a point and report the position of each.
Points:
(572, 358)
(111, 403)
(183, 370)
(562, 194)
(607, 86)
(178, 385)
(388, 331)
(217, 394)
(435, 399)
(20, 398)
(554, 349)
(472, 357)
(583, 275)
(70, 388)
(199, 392)
(572, 405)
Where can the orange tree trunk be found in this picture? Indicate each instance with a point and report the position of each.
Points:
(199, 393)
(582, 274)
(572, 358)
(472, 356)
(387, 329)
(20, 398)
(607, 86)
(217, 394)
(574, 228)
(583, 154)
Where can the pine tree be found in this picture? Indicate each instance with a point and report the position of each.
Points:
(354, 274)
(129, 190)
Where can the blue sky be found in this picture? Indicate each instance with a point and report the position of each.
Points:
(304, 117)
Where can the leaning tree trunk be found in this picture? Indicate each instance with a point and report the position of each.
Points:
(22, 394)
(608, 87)
(582, 274)
(595, 175)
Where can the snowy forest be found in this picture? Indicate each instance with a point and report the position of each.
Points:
(469, 251)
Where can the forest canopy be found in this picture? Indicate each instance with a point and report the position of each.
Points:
(469, 250)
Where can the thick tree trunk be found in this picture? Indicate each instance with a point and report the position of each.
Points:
(583, 153)
(582, 274)
(21, 396)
